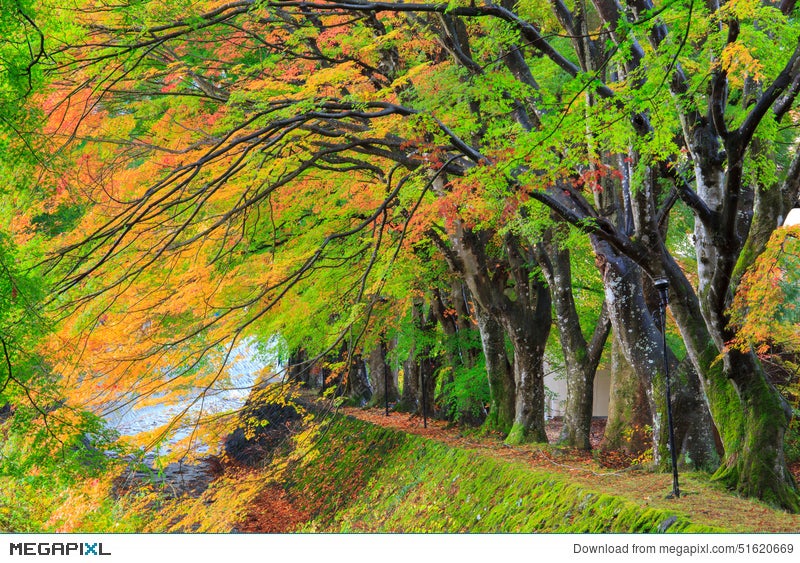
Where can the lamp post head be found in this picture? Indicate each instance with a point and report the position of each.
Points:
(662, 285)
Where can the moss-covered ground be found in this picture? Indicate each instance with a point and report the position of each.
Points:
(372, 479)
(349, 475)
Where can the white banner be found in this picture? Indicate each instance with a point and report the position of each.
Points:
(397, 548)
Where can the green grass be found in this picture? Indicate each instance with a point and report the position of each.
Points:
(370, 479)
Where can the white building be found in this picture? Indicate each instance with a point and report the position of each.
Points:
(556, 389)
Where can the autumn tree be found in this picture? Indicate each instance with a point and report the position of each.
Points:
(765, 310)
(252, 146)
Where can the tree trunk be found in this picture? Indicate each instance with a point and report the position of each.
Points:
(529, 379)
(298, 368)
(629, 417)
(580, 357)
(420, 368)
(634, 329)
(465, 408)
(357, 387)
(525, 318)
(641, 343)
(698, 450)
(578, 407)
(408, 398)
(426, 386)
(459, 295)
(750, 414)
(500, 372)
(382, 377)
(451, 352)
(757, 465)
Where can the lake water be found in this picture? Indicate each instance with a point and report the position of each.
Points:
(248, 361)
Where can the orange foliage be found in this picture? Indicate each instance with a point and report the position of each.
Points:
(215, 217)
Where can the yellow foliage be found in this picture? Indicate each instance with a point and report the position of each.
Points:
(739, 63)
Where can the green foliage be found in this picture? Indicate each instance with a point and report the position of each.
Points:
(464, 387)
(21, 48)
(21, 324)
(467, 393)
(64, 218)
(40, 463)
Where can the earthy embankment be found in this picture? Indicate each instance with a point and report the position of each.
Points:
(403, 482)
(350, 475)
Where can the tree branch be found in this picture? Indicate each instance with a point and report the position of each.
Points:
(594, 350)
(719, 87)
(748, 127)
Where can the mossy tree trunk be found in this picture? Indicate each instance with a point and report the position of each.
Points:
(756, 465)
(629, 416)
(500, 373)
(702, 450)
(527, 321)
(750, 414)
(629, 425)
(580, 357)
(529, 425)
(732, 222)
(465, 262)
(641, 342)
(508, 291)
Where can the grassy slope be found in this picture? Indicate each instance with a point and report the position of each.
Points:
(355, 476)
(372, 479)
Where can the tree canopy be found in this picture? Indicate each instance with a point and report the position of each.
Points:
(342, 173)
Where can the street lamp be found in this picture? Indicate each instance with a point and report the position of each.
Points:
(386, 386)
(662, 285)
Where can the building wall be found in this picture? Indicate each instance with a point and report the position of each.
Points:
(556, 388)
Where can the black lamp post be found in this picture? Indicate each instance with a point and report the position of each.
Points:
(386, 387)
(662, 285)
(424, 399)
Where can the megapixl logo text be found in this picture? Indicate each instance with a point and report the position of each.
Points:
(48, 548)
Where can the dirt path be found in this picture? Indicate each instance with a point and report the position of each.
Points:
(535, 456)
